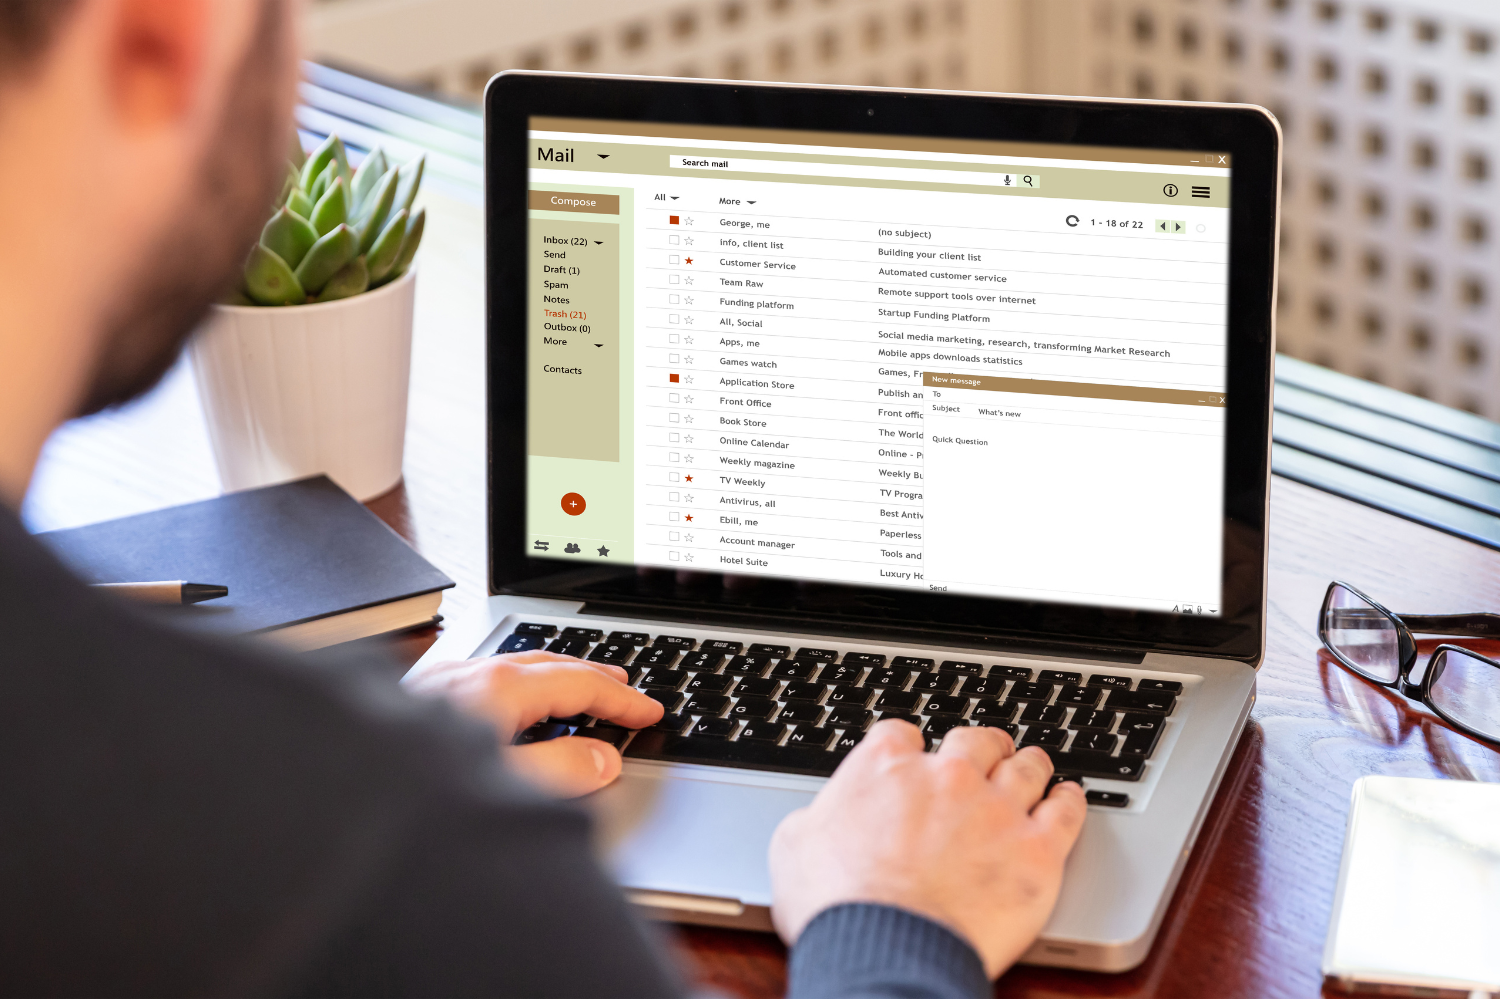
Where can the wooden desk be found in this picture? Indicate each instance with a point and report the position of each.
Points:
(1250, 914)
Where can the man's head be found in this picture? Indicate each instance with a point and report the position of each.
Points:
(141, 142)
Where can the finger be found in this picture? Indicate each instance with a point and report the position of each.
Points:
(567, 767)
(984, 747)
(1023, 777)
(1059, 817)
(891, 737)
(565, 691)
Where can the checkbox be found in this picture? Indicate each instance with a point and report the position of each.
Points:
(674, 476)
(674, 279)
(673, 438)
(673, 338)
(674, 299)
(672, 397)
(674, 456)
(672, 556)
(673, 358)
(673, 418)
(674, 536)
(674, 259)
(673, 497)
(674, 516)
(674, 239)
(673, 319)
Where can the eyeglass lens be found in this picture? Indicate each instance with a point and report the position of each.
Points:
(1466, 688)
(1362, 634)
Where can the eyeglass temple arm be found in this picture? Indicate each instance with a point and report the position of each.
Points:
(1462, 625)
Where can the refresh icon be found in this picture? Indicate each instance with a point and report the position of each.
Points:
(1072, 221)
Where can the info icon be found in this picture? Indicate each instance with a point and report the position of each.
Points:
(573, 504)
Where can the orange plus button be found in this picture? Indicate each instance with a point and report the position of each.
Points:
(573, 504)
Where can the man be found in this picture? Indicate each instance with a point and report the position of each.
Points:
(186, 816)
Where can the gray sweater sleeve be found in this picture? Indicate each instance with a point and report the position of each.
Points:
(864, 951)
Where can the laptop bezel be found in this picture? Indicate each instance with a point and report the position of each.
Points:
(1249, 134)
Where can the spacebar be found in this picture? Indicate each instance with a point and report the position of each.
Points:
(650, 745)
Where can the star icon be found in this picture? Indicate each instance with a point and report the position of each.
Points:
(688, 399)
(688, 497)
(689, 259)
(688, 279)
(689, 301)
(687, 339)
(688, 418)
(603, 550)
(687, 516)
(688, 538)
(688, 241)
(687, 557)
(688, 458)
(687, 478)
(688, 438)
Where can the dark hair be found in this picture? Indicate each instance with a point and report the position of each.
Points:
(27, 28)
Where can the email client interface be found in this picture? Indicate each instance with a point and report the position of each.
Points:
(987, 368)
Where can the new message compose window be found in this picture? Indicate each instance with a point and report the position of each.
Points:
(978, 367)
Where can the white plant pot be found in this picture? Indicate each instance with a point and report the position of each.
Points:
(299, 390)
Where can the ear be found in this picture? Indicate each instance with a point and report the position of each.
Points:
(158, 50)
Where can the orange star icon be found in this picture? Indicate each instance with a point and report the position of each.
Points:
(687, 478)
(689, 259)
(688, 517)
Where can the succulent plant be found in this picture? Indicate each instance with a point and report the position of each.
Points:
(335, 232)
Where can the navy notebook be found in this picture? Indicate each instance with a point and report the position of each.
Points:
(304, 561)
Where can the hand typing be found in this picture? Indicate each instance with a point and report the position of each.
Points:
(961, 836)
(516, 690)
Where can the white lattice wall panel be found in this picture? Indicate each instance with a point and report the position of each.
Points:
(1390, 110)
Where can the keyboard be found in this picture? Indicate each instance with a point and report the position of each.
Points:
(800, 710)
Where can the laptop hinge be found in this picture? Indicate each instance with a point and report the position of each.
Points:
(885, 631)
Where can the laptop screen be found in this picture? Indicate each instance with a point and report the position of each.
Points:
(994, 369)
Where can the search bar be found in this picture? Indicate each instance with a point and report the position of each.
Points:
(738, 164)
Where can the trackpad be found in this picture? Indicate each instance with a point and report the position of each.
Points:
(692, 835)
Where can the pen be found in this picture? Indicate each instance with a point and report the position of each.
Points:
(174, 591)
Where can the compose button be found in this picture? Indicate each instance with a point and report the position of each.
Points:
(569, 201)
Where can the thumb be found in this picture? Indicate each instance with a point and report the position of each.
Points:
(567, 767)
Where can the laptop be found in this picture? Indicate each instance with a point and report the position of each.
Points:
(812, 406)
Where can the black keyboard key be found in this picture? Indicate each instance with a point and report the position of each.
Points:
(864, 659)
(675, 642)
(849, 716)
(809, 737)
(1141, 733)
(1105, 680)
(758, 686)
(565, 647)
(1059, 676)
(1078, 697)
(942, 704)
(672, 723)
(1100, 742)
(636, 638)
(1044, 736)
(616, 655)
(898, 700)
(714, 728)
(1011, 672)
(763, 731)
(822, 655)
(902, 716)
(857, 697)
(954, 666)
(847, 741)
(994, 710)
(722, 647)
(1166, 686)
(520, 643)
(709, 683)
(664, 679)
(1086, 719)
(753, 708)
(578, 719)
(1037, 713)
(1008, 727)
(1020, 691)
(803, 691)
(703, 662)
(911, 663)
(750, 753)
(939, 727)
(1153, 701)
(612, 734)
(1108, 799)
(656, 656)
(792, 669)
(805, 712)
(668, 699)
(842, 673)
(747, 665)
(581, 634)
(982, 686)
(706, 704)
(532, 628)
(1090, 764)
(542, 732)
(888, 678)
(770, 651)
(1057, 779)
(935, 683)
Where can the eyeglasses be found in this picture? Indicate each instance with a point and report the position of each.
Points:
(1462, 687)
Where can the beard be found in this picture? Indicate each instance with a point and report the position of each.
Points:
(196, 257)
